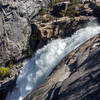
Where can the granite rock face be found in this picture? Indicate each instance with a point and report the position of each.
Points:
(77, 77)
(15, 29)
(84, 83)
(13, 37)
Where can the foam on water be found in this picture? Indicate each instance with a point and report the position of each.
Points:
(37, 69)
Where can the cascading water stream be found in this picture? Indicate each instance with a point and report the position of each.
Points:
(37, 69)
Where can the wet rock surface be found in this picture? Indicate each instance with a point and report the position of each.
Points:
(81, 70)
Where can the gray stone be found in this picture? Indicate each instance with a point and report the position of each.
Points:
(15, 29)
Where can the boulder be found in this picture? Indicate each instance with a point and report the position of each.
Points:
(77, 77)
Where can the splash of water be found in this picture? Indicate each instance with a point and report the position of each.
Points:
(37, 69)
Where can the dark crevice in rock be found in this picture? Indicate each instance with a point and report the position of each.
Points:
(96, 13)
(53, 92)
(6, 88)
(55, 95)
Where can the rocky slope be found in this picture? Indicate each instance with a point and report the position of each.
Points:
(15, 28)
(13, 38)
(83, 83)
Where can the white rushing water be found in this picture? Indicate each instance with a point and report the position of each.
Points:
(37, 69)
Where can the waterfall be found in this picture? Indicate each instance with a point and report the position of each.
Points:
(37, 69)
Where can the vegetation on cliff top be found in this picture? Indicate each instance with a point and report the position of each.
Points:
(73, 10)
(42, 11)
(4, 71)
(54, 2)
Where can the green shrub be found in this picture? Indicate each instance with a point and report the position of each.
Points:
(4, 71)
(51, 4)
(43, 20)
(42, 11)
(73, 1)
(63, 13)
(20, 64)
(11, 64)
(54, 2)
(73, 9)
(35, 37)
(29, 50)
(52, 18)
